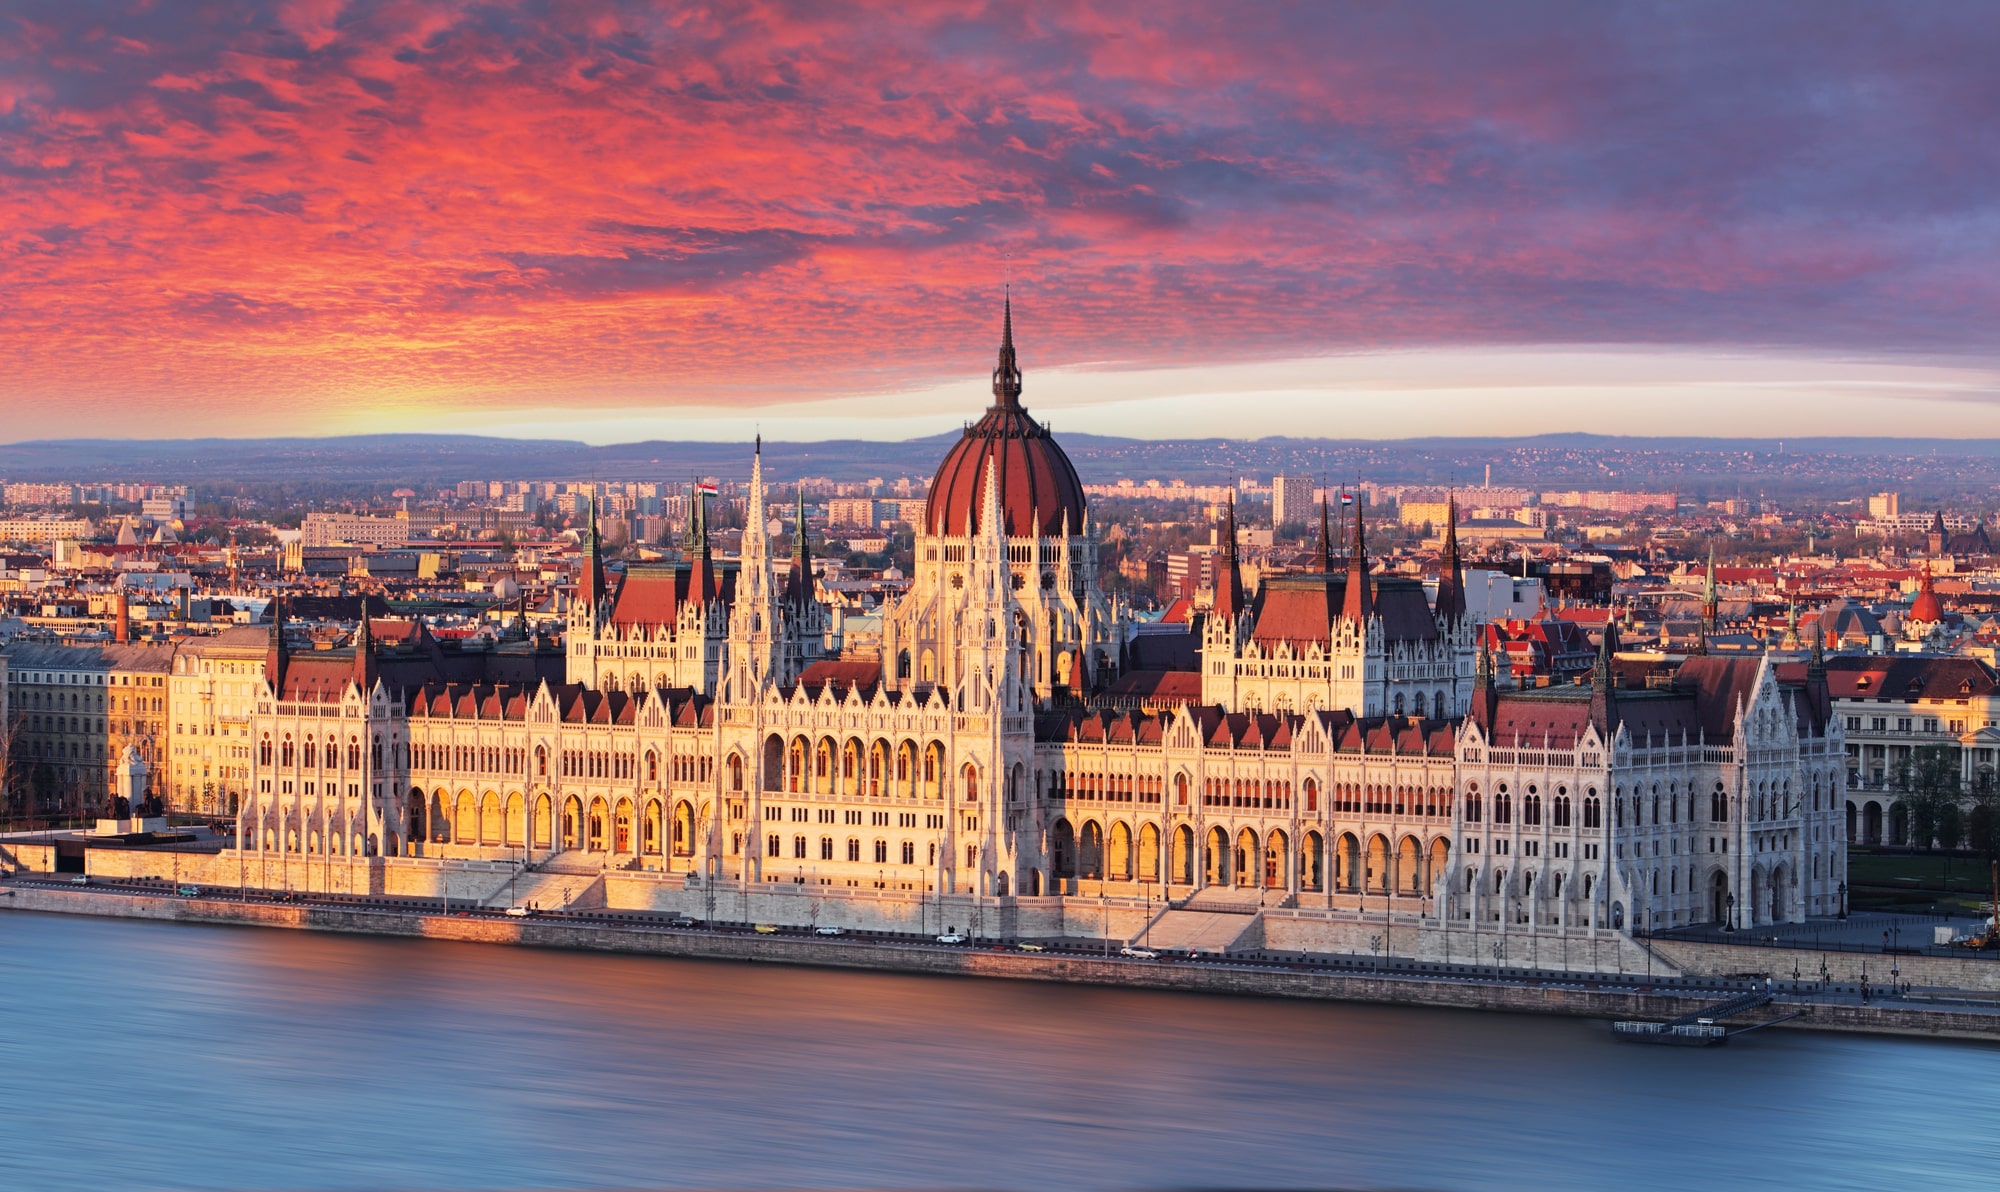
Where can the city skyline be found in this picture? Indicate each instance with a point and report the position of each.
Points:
(316, 218)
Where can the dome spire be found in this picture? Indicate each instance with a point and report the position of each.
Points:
(1007, 374)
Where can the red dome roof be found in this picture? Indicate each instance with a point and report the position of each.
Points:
(1039, 490)
(1927, 607)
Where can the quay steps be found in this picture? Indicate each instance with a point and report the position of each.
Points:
(1232, 900)
(1209, 932)
(552, 890)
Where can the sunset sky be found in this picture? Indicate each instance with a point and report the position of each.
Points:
(610, 222)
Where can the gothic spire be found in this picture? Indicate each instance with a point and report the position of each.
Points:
(1451, 577)
(1228, 577)
(1603, 713)
(1708, 602)
(694, 542)
(1322, 560)
(364, 651)
(1358, 604)
(799, 586)
(1485, 700)
(591, 582)
(275, 657)
(1007, 374)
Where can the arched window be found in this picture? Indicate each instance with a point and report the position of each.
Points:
(1531, 810)
(1561, 810)
(285, 754)
(735, 772)
(1503, 809)
(1718, 804)
(971, 783)
(541, 761)
(652, 766)
(311, 752)
(354, 752)
(264, 751)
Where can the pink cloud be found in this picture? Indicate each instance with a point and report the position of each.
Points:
(236, 211)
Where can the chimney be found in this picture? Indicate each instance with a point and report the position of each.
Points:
(121, 624)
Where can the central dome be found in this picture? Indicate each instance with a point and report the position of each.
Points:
(1039, 492)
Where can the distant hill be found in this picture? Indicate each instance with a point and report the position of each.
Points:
(1925, 469)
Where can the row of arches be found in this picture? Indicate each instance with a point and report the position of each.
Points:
(857, 768)
(637, 827)
(1270, 860)
(309, 753)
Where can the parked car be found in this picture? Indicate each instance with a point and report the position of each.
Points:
(189, 891)
(766, 929)
(951, 937)
(1139, 953)
(680, 921)
(518, 912)
(81, 879)
(1029, 947)
(829, 931)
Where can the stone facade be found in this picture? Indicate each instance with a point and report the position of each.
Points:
(1350, 758)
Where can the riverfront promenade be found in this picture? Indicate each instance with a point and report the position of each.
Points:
(1831, 1006)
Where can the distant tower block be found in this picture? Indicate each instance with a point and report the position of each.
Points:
(1291, 500)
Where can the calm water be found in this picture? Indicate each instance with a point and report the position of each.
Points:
(142, 1054)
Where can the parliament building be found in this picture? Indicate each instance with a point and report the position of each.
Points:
(1345, 758)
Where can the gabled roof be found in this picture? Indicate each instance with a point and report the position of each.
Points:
(842, 673)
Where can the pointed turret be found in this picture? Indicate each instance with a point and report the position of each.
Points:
(1708, 603)
(590, 581)
(1322, 560)
(364, 652)
(1817, 689)
(754, 580)
(1358, 604)
(991, 539)
(1228, 576)
(1007, 373)
(799, 584)
(275, 655)
(1485, 700)
(1450, 604)
(694, 548)
(1603, 682)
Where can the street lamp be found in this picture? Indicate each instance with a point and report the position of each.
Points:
(1843, 900)
(1729, 904)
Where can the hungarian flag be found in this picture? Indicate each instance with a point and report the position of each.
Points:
(705, 488)
(1346, 498)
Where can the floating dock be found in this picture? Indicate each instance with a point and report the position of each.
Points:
(1703, 1028)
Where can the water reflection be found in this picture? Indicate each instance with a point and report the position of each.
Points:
(169, 1055)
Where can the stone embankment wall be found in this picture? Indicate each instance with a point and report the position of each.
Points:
(1335, 932)
(1570, 1001)
(1980, 974)
(1351, 934)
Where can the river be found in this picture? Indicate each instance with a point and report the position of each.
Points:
(143, 1054)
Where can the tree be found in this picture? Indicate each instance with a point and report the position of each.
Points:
(1929, 787)
(1982, 819)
